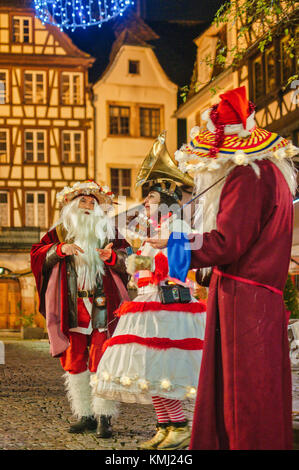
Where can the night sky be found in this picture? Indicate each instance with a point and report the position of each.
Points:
(156, 10)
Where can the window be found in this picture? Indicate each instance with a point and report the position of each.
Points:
(72, 147)
(121, 181)
(4, 209)
(35, 209)
(119, 120)
(22, 29)
(4, 146)
(72, 88)
(286, 61)
(34, 88)
(258, 86)
(149, 122)
(3, 86)
(134, 67)
(270, 70)
(35, 146)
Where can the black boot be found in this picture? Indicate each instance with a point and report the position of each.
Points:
(104, 429)
(86, 423)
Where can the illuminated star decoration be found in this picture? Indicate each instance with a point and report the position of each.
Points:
(72, 14)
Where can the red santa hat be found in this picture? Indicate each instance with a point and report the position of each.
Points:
(234, 108)
(233, 115)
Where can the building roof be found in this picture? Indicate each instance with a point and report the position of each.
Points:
(172, 42)
(169, 29)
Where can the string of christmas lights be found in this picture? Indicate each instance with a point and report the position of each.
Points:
(72, 14)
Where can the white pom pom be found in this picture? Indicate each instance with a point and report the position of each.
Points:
(206, 115)
(191, 392)
(166, 384)
(179, 155)
(194, 132)
(143, 384)
(280, 154)
(106, 376)
(126, 381)
(240, 158)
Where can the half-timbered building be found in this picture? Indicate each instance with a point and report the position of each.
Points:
(46, 138)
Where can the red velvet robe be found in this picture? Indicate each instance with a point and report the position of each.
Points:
(113, 283)
(244, 396)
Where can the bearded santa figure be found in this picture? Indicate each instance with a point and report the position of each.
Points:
(79, 267)
(244, 396)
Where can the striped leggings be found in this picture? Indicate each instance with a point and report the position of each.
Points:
(168, 410)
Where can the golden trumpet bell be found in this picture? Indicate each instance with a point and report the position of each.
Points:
(158, 165)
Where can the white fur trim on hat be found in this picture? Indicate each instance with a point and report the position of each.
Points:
(194, 132)
(231, 129)
(238, 158)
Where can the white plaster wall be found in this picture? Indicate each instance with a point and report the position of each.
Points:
(152, 87)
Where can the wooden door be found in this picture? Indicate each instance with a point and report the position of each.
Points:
(10, 298)
(4, 308)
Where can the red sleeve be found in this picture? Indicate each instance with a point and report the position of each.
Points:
(112, 259)
(38, 254)
(238, 221)
(58, 250)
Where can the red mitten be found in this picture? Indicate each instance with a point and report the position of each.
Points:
(161, 268)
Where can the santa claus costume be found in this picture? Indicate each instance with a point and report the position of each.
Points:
(155, 352)
(78, 294)
(244, 395)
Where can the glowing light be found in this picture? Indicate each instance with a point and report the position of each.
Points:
(126, 381)
(143, 384)
(166, 384)
(106, 376)
(72, 14)
(191, 392)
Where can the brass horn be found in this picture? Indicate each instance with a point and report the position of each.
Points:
(158, 164)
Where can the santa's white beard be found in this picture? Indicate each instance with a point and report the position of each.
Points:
(208, 206)
(89, 231)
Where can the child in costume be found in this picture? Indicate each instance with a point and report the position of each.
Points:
(155, 352)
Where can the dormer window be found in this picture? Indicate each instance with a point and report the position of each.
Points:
(22, 29)
(134, 67)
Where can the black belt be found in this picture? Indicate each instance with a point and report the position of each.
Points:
(85, 293)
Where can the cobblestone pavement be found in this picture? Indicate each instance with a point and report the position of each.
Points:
(35, 414)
